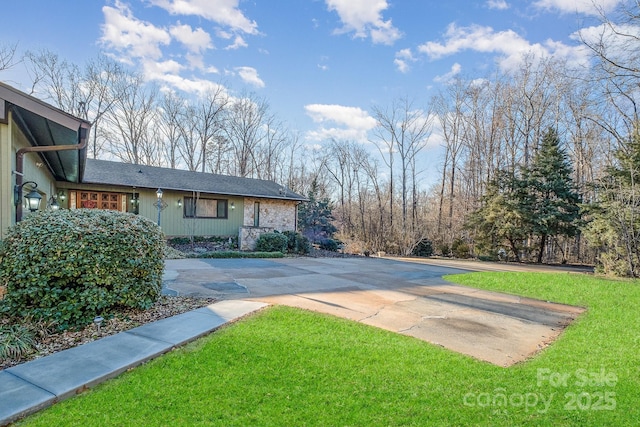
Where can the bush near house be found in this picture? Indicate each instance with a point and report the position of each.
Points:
(290, 242)
(297, 243)
(272, 242)
(70, 266)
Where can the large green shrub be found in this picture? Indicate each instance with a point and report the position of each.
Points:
(272, 242)
(423, 248)
(444, 249)
(460, 249)
(69, 266)
(297, 243)
(329, 245)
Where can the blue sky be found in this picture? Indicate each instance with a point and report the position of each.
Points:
(321, 64)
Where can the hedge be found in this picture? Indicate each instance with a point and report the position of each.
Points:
(72, 265)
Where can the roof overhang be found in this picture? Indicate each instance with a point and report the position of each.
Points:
(46, 126)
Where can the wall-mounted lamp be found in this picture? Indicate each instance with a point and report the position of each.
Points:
(179, 203)
(33, 197)
(53, 203)
(62, 196)
(233, 206)
(135, 202)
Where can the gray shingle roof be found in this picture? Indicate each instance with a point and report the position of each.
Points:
(129, 175)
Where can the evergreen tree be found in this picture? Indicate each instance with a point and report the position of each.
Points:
(539, 202)
(502, 220)
(553, 200)
(315, 216)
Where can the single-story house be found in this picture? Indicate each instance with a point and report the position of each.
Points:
(43, 149)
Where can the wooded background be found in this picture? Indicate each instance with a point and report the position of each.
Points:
(488, 200)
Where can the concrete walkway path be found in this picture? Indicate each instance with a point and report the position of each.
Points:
(32, 386)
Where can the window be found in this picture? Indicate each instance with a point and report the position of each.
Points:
(205, 208)
(256, 214)
(97, 200)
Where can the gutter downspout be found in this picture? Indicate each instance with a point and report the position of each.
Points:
(83, 133)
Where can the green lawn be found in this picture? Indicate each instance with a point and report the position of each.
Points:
(288, 367)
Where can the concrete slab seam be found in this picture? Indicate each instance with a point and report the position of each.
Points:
(26, 381)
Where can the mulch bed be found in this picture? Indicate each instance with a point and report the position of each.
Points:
(124, 320)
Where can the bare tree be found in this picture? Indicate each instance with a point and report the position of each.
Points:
(60, 80)
(616, 51)
(270, 158)
(340, 164)
(245, 131)
(294, 147)
(208, 115)
(403, 129)
(385, 140)
(188, 147)
(377, 211)
(131, 118)
(7, 56)
(449, 108)
(170, 115)
(100, 77)
(88, 93)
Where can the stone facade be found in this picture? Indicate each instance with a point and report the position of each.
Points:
(277, 214)
(273, 215)
(249, 237)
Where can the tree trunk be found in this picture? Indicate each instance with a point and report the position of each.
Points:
(543, 242)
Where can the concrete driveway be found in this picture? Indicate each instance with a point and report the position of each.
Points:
(404, 297)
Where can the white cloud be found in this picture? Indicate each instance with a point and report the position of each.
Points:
(238, 42)
(445, 78)
(365, 19)
(223, 12)
(196, 41)
(154, 69)
(497, 4)
(620, 40)
(196, 61)
(475, 37)
(402, 60)
(130, 36)
(349, 123)
(587, 7)
(508, 45)
(195, 86)
(250, 75)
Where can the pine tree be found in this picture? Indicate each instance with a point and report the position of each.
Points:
(503, 218)
(553, 200)
(315, 216)
(539, 201)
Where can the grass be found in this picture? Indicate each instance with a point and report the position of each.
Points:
(286, 367)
